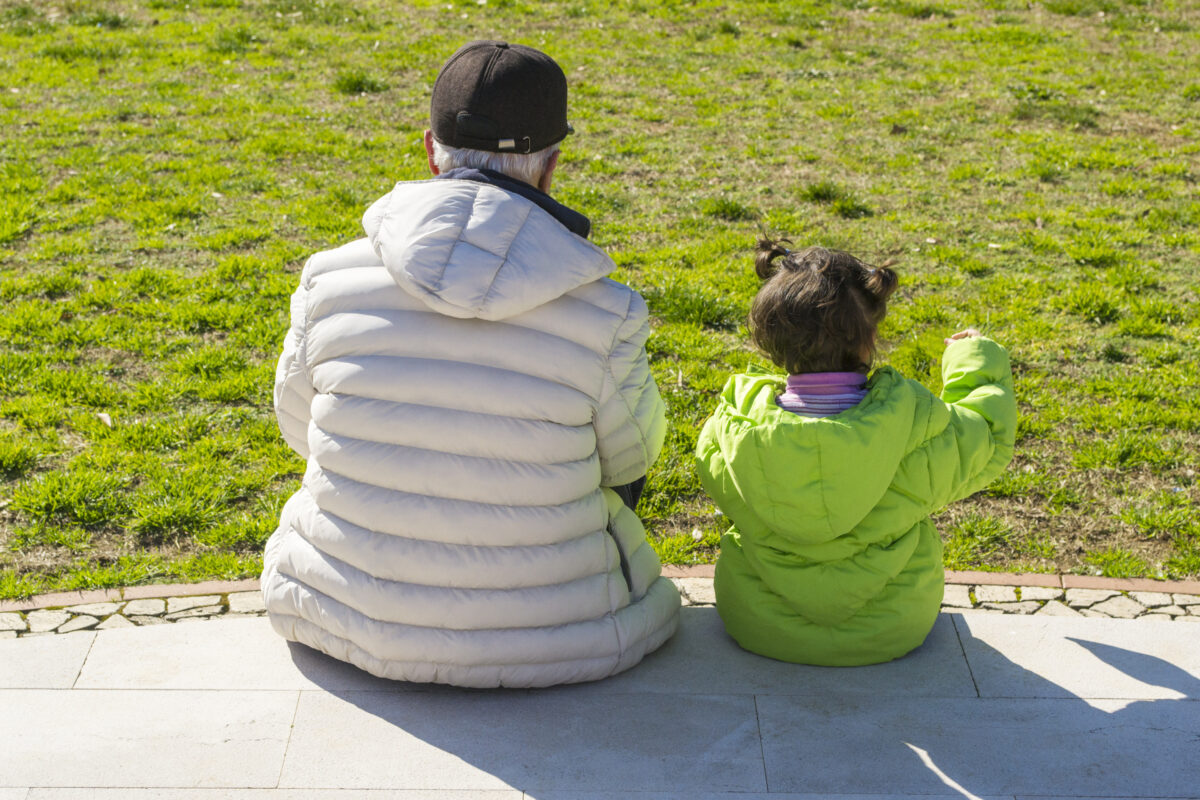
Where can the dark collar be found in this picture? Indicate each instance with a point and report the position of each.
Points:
(572, 220)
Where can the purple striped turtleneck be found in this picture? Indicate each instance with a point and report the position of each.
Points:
(823, 394)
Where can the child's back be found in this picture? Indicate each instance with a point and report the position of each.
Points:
(832, 558)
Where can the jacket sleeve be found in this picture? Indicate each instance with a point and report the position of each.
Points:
(630, 419)
(977, 442)
(293, 387)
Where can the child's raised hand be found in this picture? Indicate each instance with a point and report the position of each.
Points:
(969, 333)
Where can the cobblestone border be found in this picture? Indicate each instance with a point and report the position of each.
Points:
(1039, 595)
(122, 613)
(1039, 601)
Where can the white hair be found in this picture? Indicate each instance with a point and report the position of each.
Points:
(528, 167)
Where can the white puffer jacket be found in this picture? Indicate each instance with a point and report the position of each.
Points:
(463, 382)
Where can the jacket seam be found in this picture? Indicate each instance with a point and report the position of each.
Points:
(608, 356)
(641, 435)
(450, 454)
(503, 256)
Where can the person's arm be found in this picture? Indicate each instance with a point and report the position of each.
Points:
(630, 493)
(630, 419)
(293, 387)
(977, 441)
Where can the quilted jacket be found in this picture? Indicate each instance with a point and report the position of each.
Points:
(463, 382)
(832, 558)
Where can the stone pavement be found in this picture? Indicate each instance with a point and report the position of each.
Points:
(993, 705)
(1043, 595)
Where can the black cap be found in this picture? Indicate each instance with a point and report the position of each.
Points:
(500, 97)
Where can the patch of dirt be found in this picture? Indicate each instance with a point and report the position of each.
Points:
(105, 548)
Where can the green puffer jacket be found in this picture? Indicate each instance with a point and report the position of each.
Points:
(832, 558)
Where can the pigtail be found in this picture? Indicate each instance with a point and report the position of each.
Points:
(767, 250)
(881, 282)
(818, 310)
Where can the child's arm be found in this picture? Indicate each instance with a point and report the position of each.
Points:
(293, 388)
(977, 442)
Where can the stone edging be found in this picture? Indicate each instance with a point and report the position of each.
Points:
(1042, 601)
(966, 592)
(1006, 579)
(67, 612)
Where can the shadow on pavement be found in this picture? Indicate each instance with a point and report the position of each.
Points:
(777, 739)
(1044, 743)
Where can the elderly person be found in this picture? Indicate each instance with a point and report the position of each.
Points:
(473, 399)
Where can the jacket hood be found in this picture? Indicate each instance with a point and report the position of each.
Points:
(473, 250)
(810, 479)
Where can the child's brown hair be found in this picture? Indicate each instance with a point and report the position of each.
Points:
(818, 309)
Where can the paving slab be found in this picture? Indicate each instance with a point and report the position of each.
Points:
(1023, 607)
(246, 602)
(702, 659)
(995, 594)
(1120, 607)
(12, 621)
(922, 746)
(1082, 598)
(1069, 707)
(535, 740)
(176, 604)
(79, 623)
(148, 607)
(957, 595)
(95, 609)
(739, 796)
(1040, 593)
(43, 662)
(237, 654)
(1151, 599)
(264, 794)
(43, 621)
(192, 613)
(1057, 657)
(1053, 608)
(143, 739)
(696, 591)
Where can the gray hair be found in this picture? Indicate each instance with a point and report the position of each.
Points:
(528, 167)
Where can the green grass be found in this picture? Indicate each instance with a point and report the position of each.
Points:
(1031, 170)
(358, 82)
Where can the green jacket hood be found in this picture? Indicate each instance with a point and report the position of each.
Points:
(813, 477)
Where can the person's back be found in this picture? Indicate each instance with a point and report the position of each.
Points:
(832, 558)
(463, 383)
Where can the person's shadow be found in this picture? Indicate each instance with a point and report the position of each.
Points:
(1021, 734)
(1030, 736)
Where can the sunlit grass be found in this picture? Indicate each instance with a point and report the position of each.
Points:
(172, 163)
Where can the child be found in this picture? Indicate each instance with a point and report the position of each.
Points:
(829, 480)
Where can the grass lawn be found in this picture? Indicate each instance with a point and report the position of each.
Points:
(166, 167)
